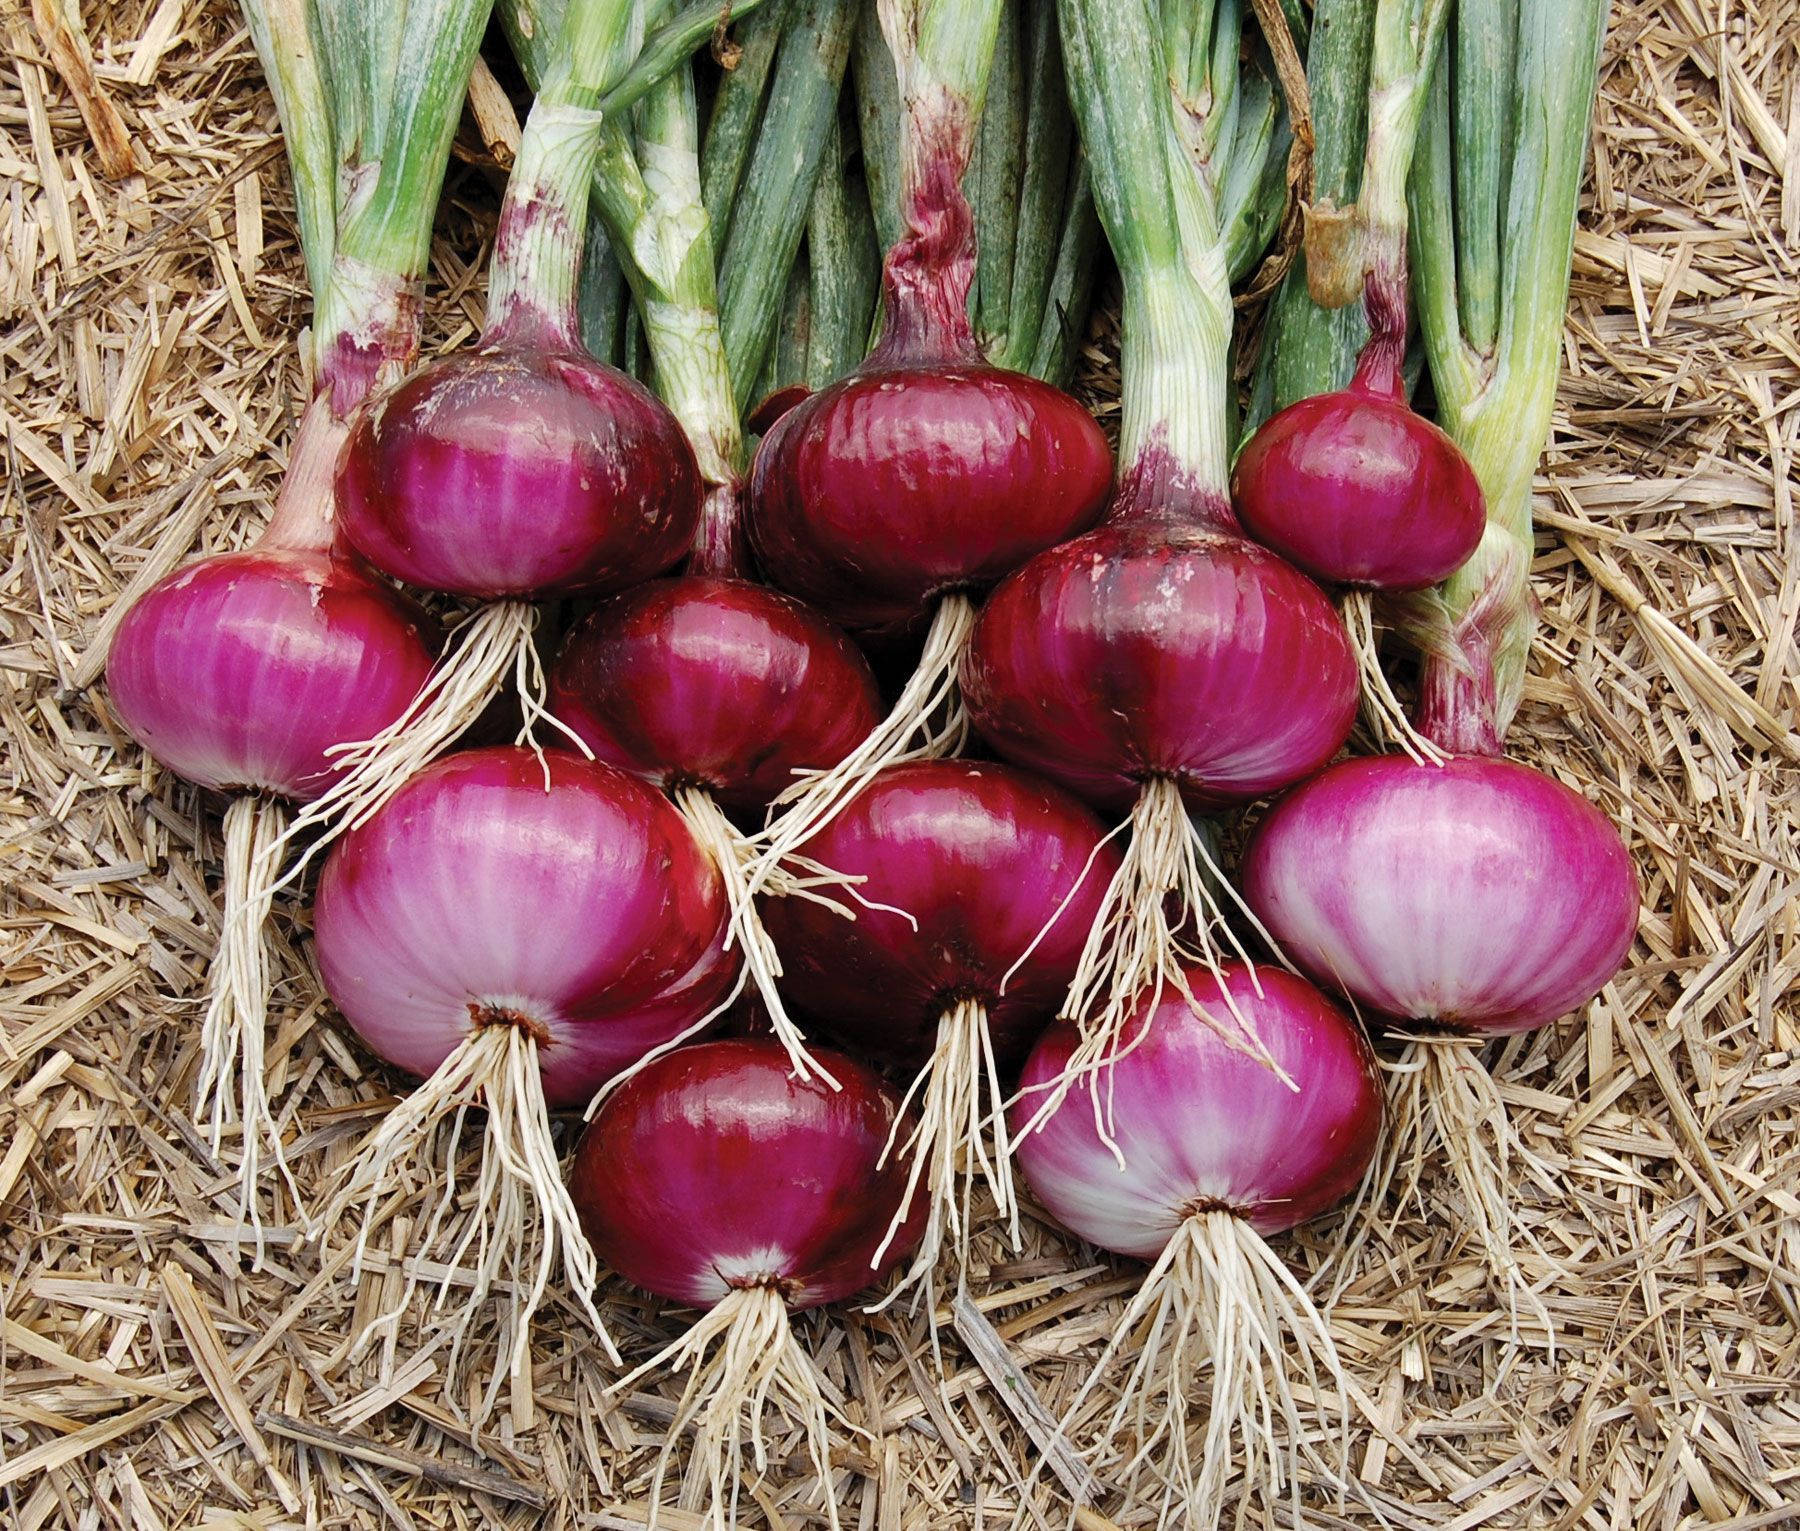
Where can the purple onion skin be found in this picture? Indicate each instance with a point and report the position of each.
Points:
(1359, 490)
(716, 1168)
(519, 472)
(239, 671)
(586, 913)
(982, 856)
(713, 682)
(902, 482)
(1480, 895)
(1204, 1126)
(1150, 647)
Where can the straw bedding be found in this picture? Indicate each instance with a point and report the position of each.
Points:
(152, 1375)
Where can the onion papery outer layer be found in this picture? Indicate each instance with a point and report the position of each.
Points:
(717, 683)
(979, 882)
(1202, 1125)
(242, 670)
(514, 471)
(1155, 648)
(902, 483)
(714, 1169)
(585, 913)
(1356, 489)
(1479, 895)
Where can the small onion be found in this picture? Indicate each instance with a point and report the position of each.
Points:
(1188, 1152)
(717, 1178)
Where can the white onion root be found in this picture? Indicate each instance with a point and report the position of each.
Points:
(1219, 1294)
(1135, 948)
(961, 1111)
(494, 643)
(230, 1086)
(735, 856)
(927, 722)
(1442, 1090)
(1382, 710)
(520, 1219)
(758, 1362)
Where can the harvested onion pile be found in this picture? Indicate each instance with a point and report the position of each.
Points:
(1028, 967)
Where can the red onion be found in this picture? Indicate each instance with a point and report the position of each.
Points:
(523, 469)
(1478, 898)
(1357, 489)
(1213, 1150)
(978, 886)
(520, 928)
(718, 1179)
(1162, 660)
(908, 486)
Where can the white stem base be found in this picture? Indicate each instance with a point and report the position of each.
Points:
(1382, 711)
(1442, 1091)
(494, 643)
(963, 1107)
(1218, 1293)
(758, 1362)
(927, 722)
(521, 1220)
(1137, 948)
(230, 1086)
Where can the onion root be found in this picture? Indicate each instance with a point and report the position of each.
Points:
(1382, 711)
(231, 1085)
(1218, 1293)
(758, 1361)
(961, 1110)
(520, 1218)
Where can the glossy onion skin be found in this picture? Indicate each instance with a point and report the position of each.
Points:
(1360, 490)
(716, 1168)
(518, 472)
(588, 910)
(1149, 648)
(898, 484)
(714, 682)
(982, 856)
(241, 670)
(1202, 1125)
(1480, 895)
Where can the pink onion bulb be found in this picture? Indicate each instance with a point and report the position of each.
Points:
(239, 672)
(977, 885)
(524, 469)
(719, 1179)
(584, 915)
(1185, 1153)
(1479, 895)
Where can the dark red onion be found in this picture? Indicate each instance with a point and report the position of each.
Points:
(524, 469)
(1357, 489)
(1187, 1151)
(977, 886)
(1479, 895)
(718, 1178)
(713, 682)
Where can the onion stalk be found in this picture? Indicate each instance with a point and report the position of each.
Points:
(242, 672)
(908, 486)
(1163, 662)
(441, 486)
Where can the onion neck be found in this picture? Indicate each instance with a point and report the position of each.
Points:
(304, 519)
(1162, 222)
(943, 51)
